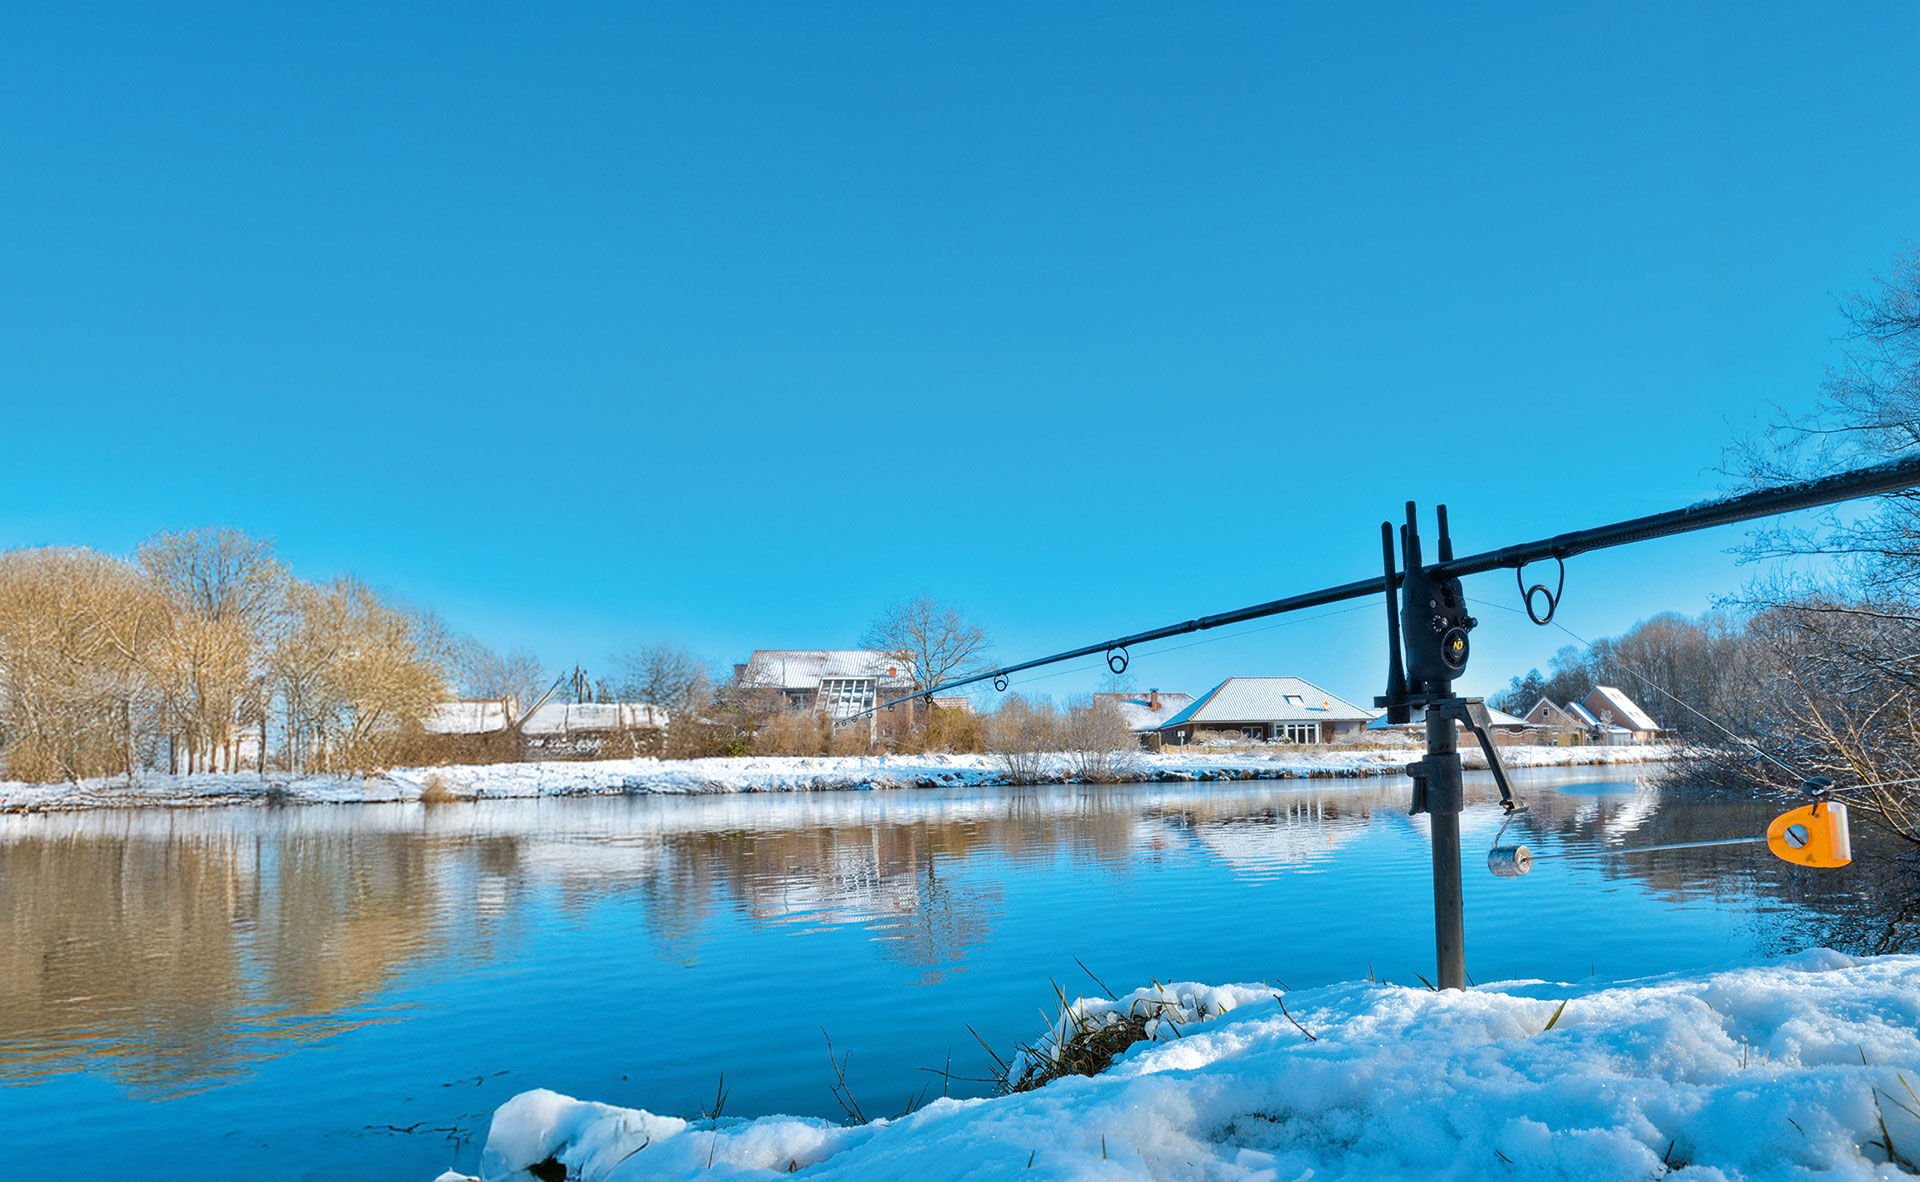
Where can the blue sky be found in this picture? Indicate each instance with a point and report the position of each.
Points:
(723, 325)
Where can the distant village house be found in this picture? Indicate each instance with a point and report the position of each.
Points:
(840, 683)
(1267, 709)
(1606, 716)
(494, 730)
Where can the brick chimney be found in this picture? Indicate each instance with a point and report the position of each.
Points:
(1153, 700)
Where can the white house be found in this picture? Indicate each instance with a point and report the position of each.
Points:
(1268, 709)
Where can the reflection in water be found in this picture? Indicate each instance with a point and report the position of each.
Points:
(175, 950)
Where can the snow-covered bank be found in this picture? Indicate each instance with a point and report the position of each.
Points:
(1786, 1070)
(747, 774)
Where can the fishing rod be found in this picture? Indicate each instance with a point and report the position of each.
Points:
(1428, 647)
(1894, 476)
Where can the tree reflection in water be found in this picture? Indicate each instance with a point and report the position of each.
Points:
(172, 949)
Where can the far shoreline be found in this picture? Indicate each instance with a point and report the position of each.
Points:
(438, 786)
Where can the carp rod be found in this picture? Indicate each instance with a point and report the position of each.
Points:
(1427, 648)
(1899, 475)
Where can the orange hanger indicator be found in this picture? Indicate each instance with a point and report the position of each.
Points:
(1815, 835)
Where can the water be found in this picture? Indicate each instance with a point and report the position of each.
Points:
(349, 991)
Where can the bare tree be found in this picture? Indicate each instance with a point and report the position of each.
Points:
(478, 671)
(1841, 649)
(671, 678)
(224, 590)
(1099, 746)
(78, 634)
(1020, 735)
(358, 673)
(933, 641)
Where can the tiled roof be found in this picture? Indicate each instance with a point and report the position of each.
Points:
(1267, 699)
(1138, 709)
(559, 718)
(468, 716)
(1586, 716)
(1625, 711)
(803, 669)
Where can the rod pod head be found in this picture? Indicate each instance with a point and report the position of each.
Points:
(1434, 620)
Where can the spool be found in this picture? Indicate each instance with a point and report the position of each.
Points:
(1509, 861)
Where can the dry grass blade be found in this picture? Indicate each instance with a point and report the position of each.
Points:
(1902, 1105)
(1555, 1020)
(719, 1110)
(842, 1094)
(1002, 1064)
(1311, 1036)
(1111, 996)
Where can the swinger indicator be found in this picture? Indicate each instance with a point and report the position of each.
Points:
(1815, 835)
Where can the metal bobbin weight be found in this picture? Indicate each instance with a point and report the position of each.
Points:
(1509, 861)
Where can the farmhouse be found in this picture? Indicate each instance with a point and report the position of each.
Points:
(1557, 725)
(1606, 716)
(588, 729)
(1267, 709)
(1613, 708)
(840, 683)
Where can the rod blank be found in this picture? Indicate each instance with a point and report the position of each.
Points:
(1899, 475)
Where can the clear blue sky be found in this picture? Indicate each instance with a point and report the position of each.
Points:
(593, 324)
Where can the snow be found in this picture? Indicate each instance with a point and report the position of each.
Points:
(1779, 1071)
(750, 774)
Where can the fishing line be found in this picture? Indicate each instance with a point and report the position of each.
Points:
(1174, 648)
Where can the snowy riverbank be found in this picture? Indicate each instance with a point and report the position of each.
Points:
(746, 774)
(1785, 1070)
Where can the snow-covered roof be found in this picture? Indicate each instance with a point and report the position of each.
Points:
(1498, 718)
(559, 718)
(804, 669)
(1625, 711)
(1138, 709)
(469, 716)
(1267, 699)
(1586, 716)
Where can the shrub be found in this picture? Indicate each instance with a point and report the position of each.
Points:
(1020, 735)
(1099, 746)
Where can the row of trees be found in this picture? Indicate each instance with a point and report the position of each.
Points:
(194, 651)
(202, 652)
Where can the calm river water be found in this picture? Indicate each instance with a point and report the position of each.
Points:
(336, 992)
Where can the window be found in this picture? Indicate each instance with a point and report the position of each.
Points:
(1296, 700)
(843, 697)
(1296, 732)
(1254, 732)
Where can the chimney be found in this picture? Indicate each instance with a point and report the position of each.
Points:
(1153, 700)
